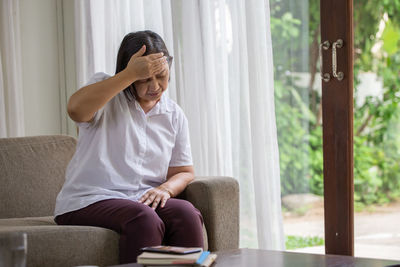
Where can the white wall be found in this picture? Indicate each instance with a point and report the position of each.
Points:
(40, 67)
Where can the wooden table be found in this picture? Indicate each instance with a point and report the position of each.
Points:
(266, 258)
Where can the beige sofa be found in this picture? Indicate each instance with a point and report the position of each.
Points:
(32, 173)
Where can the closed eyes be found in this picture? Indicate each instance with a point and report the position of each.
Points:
(159, 76)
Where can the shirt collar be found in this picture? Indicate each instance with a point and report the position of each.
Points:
(162, 106)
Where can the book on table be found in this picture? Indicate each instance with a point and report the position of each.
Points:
(175, 256)
(172, 249)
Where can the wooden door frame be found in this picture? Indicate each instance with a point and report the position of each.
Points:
(337, 109)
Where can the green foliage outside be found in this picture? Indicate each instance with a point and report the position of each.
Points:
(298, 109)
(293, 242)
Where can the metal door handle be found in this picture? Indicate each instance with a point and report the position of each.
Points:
(324, 76)
(338, 75)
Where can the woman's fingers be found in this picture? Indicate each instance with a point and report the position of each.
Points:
(164, 201)
(144, 197)
(153, 67)
(156, 202)
(150, 199)
(155, 198)
(158, 69)
(142, 67)
(155, 56)
(140, 53)
(158, 63)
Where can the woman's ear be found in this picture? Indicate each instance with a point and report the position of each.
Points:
(169, 60)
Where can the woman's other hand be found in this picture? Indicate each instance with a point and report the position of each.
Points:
(156, 196)
(142, 67)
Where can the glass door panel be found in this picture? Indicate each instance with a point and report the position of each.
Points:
(377, 129)
(295, 28)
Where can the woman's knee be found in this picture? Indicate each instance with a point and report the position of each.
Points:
(184, 223)
(185, 210)
(144, 221)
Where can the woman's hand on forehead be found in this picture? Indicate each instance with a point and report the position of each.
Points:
(155, 56)
(142, 67)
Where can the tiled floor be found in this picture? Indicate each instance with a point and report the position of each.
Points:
(377, 233)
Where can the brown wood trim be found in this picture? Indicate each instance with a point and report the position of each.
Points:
(337, 103)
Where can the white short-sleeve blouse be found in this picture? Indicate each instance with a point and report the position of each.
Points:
(123, 152)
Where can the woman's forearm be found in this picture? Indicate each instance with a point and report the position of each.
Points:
(84, 103)
(177, 183)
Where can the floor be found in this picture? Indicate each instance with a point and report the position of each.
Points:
(377, 231)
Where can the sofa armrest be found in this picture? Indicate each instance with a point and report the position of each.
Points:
(217, 198)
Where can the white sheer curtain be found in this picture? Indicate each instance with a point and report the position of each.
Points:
(11, 100)
(102, 24)
(222, 77)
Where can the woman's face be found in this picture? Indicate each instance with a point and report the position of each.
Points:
(152, 88)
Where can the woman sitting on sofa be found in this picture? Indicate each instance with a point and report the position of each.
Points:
(133, 154)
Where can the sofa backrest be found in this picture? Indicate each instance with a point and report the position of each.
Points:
(32, 173)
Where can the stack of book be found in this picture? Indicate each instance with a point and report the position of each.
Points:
(175, 256)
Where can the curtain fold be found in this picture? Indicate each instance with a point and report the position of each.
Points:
(11, 94)
(222, 77)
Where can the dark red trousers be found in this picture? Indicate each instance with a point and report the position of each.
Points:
(179, 223)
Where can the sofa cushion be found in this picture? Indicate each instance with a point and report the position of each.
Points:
(49, 220)
(32, 173)
(28, 221)
(66, 246)
(47, 242)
